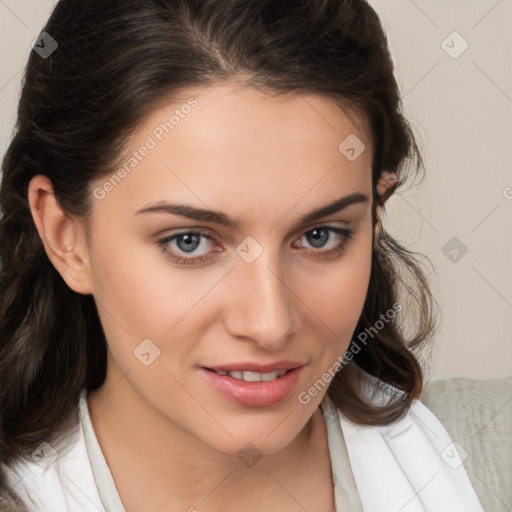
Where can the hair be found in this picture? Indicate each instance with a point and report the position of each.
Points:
(116, 61)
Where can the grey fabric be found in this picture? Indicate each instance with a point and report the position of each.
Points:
(102, 475)
(346, 494)
(478, 416)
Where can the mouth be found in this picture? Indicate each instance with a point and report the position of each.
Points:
(253, 388)
(255, 372)
(248, 376)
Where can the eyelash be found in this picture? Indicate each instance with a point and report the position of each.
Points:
(346, 235)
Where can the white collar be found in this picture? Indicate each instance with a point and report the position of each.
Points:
(410, 465)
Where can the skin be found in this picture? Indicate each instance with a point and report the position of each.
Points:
(167, 436)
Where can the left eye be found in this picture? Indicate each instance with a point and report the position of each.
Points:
(320, 235)
(188, 241)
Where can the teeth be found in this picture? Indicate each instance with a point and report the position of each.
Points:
(254, 376)
(266, 377)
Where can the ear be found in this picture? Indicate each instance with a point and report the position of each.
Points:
(384, 187)
(63, 237)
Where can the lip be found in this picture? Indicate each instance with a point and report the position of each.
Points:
(250, 366)
(254, 394)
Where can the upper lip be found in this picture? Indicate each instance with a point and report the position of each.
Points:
(257, 367)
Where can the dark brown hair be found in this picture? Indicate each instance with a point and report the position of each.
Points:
(118, 59)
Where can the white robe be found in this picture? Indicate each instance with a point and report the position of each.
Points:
(410, 465)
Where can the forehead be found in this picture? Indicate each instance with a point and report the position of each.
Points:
(235, 111)
(234, 142)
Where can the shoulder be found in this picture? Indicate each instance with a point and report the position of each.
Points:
(57, 476)
(410, 461)
(418, 429)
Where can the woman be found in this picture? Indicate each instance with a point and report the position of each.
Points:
(199, 308)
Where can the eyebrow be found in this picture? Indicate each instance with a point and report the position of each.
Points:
(204, 215)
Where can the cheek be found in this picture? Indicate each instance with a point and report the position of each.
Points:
(336, 293)
(139, 290)
(336, 297)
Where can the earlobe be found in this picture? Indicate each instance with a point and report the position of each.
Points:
(62, 236)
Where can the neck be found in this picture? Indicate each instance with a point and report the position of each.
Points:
(145, 450)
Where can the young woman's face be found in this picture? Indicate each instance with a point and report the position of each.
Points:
(177, 295)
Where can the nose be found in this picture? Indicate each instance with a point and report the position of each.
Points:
(262, 304)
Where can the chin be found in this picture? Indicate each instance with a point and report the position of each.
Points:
(263, 436)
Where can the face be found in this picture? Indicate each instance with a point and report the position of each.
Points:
(177, 295)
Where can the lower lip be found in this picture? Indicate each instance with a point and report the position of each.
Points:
(254, 394)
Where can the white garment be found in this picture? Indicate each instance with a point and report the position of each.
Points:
(407, 466)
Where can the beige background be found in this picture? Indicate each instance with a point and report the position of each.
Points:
(461, 107)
